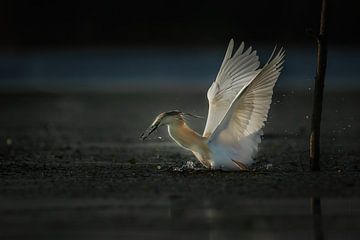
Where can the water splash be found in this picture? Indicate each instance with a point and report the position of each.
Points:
(268, 166)
(189, 165)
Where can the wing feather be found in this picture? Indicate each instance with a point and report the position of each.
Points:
(235, 72)
(249, 110)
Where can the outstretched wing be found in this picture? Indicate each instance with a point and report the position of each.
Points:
(249, 110)
(235, 72)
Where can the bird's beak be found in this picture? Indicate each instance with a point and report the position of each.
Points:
(149, 130)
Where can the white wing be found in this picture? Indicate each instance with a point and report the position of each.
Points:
(235, 72)
(249, 110)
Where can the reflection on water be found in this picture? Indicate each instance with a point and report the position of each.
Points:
(179, 218)
(266, 219)
(316, 212)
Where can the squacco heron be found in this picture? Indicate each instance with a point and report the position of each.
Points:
(239, 102)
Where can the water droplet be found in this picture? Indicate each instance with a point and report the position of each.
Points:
(309, 88)
(189, 165)
(268, 166)
(349, 125)
(158, 167)
(8, 141)
(307, 116)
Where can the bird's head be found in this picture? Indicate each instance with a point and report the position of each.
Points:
(165, 118)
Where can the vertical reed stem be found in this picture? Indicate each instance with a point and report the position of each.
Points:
(318, 91)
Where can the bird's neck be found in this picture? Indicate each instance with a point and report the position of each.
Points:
(186, 137)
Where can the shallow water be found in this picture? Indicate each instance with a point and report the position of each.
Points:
(72, 167)
(178, 218)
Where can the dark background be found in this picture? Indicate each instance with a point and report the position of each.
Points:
(38, 24)
(141, 45)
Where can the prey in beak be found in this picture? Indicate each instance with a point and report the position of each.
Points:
(149, 130)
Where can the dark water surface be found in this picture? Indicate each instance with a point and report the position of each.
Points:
(144, 68)
(177, 218)
(72, 167)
